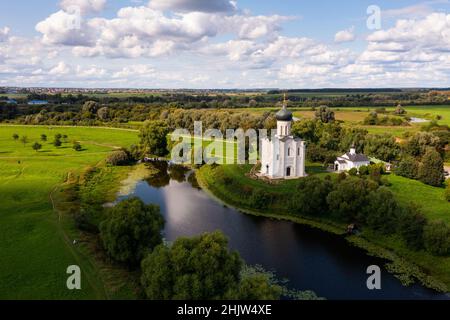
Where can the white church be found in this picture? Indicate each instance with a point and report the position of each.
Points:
(351, 160)
(283, 156)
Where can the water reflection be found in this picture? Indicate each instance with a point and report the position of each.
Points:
(309, 258)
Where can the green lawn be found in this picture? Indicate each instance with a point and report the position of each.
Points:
(35, 249)
(430, 199)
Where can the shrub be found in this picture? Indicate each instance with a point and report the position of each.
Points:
(353, 172)
(261, 199)
(363, 170)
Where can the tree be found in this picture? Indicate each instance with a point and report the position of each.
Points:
(89, 109)
(43, 137)
(199, 268)
(411, 226)
(408, 167)
(15, 136)
(349, 197)
(311, 196)
(325, 114)
(154, 137)
(399, 110)
(372, 119)
(383, 147)
(57, 142)
(257, 284)
(380, 211)
(24, 140)
(77, 146)
(418, 145)
(118, 158)
(103, 113)
(37, 146)
(437, 238)
(131, 230)
(431, 169)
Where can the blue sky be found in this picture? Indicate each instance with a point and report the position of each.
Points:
(223, 44)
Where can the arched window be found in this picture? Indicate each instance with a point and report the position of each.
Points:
(298, 151)
(289, 152)
(267, 169)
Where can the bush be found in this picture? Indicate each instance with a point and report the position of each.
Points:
(437, 238)
(261, 199)
(131, 230)
(118, 158)
(353, 172)
(363, 170)
(447, 192)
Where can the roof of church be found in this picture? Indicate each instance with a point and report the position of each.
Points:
(284, 114)
(356, 157)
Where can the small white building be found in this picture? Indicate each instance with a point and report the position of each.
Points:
(351, 160)
(283, 156)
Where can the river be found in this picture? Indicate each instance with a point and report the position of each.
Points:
(309, 258)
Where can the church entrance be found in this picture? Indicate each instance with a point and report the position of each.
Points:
(288, 172)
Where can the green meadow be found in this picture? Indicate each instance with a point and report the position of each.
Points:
(35, 246)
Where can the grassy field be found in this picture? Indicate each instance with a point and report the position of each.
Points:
(430, 199)
(35, 249)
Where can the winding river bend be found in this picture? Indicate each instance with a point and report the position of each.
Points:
(311, 259)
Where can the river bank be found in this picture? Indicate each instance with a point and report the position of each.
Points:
(405, 264)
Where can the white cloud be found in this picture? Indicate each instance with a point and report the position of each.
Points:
(84, 6)
(146, 32)
(4, 34)
(65, 29)
(347, 35)
(60, 69)
(194, 5)
(135, 70)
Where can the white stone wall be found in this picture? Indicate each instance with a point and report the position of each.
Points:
(281, 155)
(284, 128)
